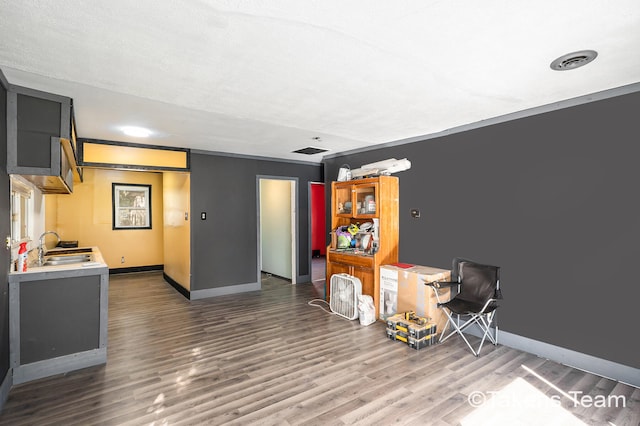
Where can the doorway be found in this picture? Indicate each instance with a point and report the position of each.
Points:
(318, 214)
(277, 224)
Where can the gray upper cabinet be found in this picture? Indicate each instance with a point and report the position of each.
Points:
(41, 139)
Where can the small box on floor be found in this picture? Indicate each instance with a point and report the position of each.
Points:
(398, 335)
(412, 342)
(395, 321)
(417, 332)
(417, 329)
(422, 343)
(421, 331)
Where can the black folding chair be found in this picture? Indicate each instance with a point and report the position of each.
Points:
(478, 294)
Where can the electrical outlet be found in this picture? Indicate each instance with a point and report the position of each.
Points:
(122, 260)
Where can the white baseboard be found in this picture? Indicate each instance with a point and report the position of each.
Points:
(591, 364)
(63, 364)
(221, 291)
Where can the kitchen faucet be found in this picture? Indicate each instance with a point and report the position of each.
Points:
(41, 246)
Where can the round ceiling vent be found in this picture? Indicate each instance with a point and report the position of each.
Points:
(573, 60)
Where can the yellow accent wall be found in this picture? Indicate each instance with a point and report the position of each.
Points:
(85, 215)
(50, 220)
(177, 233)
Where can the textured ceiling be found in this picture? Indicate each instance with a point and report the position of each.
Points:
(268, 77)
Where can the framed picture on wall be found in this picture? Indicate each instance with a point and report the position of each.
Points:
(131, 206)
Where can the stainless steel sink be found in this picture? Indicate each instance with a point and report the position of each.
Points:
(67, 259)
(74, 250)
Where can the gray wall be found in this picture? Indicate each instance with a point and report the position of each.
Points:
(5, 221)
(224, 246)
(553, 200)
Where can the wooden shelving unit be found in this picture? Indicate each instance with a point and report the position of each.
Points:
(358, 202)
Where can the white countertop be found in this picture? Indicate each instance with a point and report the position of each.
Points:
(96, 262)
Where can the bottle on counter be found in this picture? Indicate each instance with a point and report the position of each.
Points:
(22, 257)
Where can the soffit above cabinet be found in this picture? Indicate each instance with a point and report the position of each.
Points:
(123, 155)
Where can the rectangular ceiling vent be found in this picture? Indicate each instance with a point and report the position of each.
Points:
(310, 150)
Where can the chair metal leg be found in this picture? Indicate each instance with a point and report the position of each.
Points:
(484, 323)
(485, 328)
(442, 333)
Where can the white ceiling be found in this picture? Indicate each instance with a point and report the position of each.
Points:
(264, 78)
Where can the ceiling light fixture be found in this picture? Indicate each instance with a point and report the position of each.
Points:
(573, 60)
(137, 132)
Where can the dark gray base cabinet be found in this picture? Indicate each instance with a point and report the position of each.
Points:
(57, 321)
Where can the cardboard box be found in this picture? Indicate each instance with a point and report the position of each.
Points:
(402, 289)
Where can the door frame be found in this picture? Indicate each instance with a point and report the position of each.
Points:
(6, 376)
(294, 225)
(310, 234)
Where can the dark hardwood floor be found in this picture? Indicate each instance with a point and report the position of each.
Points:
(270, 358)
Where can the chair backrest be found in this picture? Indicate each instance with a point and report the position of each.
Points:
(455, 267)
(479, 282)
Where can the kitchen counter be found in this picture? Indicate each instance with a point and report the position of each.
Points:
(34, 271)
(58, 318)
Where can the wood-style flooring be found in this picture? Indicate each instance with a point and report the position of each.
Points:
(269, 358)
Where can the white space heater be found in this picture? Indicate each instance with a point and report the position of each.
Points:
(343, 299)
